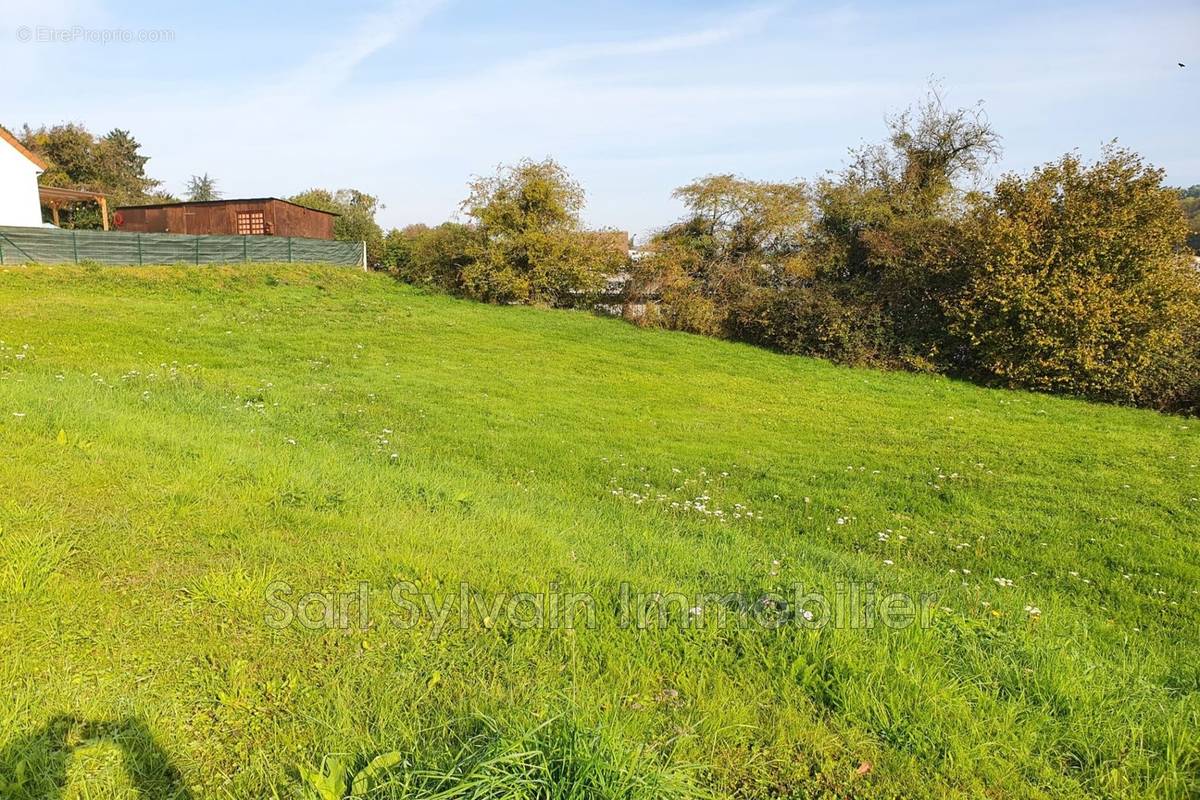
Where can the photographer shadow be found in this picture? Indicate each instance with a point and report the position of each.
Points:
(35, 765)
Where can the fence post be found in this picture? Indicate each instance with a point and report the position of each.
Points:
(364, 257)
(139, 244)
(245, 249)
(1, 252)
(197, 251)
(289, 249)
(75, 244)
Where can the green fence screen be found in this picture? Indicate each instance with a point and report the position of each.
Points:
(56, 246)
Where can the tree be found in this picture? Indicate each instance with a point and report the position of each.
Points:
(120, 168)
(757, 220)
(202, 188)
(853, 267)
(887, 243)
(356, 220)
(1079, 284)
(738, 236)
(929, 151)
(436, 257)
(529, 245)
(527, 196)
(111, 164)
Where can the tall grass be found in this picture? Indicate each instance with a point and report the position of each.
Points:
(174, 442)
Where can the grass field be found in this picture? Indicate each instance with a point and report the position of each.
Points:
(186, 453)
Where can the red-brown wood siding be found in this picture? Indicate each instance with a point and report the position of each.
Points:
(282, 219)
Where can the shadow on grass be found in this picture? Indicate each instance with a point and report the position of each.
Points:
(35, 765)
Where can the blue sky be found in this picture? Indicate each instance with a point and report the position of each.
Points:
(408, 99)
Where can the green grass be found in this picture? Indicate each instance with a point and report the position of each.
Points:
(174, 441)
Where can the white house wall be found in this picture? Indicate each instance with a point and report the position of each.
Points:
(19, 204)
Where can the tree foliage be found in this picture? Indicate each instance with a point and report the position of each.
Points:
(527, 196)
(529, 244)
(523, 242)
(1074, 279)
(202, 188)
(738, 237)
(930, 150)
(111, 164)
(1079, 283)
(433, 257)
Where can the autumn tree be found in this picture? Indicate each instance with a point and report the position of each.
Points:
(528, 243)
(738, 235)
(853, 267)
(1080, 284)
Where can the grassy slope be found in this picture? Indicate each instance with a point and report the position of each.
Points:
(135, 555)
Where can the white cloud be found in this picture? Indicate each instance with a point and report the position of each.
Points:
(734, 27)
(331, 68)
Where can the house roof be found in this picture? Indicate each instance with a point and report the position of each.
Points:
(22, 149)
(223, 202)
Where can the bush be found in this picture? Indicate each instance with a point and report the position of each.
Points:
(853, 268)
(561, 268)
(812, 320)
(435, 257)
(1080, 284)
(524, 244)
(665, 290)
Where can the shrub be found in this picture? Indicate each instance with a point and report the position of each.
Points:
(812, 320)
(524, 244)
(892, 271)
(666, 290)
(436, 257)
(562, 268)
(397, 246)
(1080, 284)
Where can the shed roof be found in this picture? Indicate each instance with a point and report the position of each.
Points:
(22, 149)
(224, 201)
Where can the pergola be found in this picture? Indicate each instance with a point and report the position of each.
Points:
(55, 198)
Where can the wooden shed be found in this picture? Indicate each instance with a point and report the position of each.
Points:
(259, 216)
